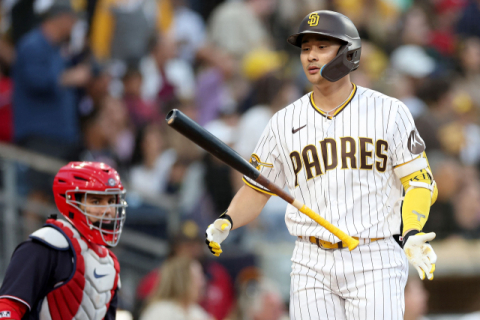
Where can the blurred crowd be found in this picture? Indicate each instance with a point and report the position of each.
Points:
(94, 79)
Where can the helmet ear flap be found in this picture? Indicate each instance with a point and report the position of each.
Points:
(338, 67)
(341, 65)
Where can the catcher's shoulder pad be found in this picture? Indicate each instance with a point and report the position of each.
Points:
(51, 237)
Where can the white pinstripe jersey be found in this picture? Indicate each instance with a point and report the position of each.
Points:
(342, 166)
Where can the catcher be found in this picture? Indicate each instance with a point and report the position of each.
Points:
(65, 270)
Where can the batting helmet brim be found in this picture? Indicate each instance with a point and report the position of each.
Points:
(296, 39)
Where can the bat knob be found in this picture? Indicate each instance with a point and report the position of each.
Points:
(352, 244)
(171, 115)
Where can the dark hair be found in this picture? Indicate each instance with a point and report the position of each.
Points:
(137, 156)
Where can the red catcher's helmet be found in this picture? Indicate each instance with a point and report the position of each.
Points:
(73, 183)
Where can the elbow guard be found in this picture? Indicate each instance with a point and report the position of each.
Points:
(417, 174)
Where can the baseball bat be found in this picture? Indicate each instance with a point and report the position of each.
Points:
(194, 132)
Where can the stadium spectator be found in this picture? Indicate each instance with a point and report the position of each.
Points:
(152, 162)
(218, 295)
(108, 136)
(212, 95)
(190, 36)
(405, 90)
(165, 76)
(467, 210)
(412, 66)
(447, 173)
(238, 26)
(178, 292)
(189, 31)
(443, 36)
(468, 23)
(373, 66)
(7, 49)
(258, 298)
(416, 29)
(120, 132)
(386, 15)
(44, 99)
(469, 61)
(270, 94)
(466, 113)
(96, 137)
(122, 30)
(437, 95)
(98, 87)
(44, 86)
(6, 117)
(141, 111)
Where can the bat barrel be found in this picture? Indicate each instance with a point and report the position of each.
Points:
(193, 131)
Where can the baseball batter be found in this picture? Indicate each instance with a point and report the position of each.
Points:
(349, 153)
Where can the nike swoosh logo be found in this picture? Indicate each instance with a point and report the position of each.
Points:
(97, 276)
(296, 130)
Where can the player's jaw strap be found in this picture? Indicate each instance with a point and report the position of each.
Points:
(408, 168)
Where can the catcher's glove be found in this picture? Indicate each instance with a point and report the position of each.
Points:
(217, 232)
(420, 253)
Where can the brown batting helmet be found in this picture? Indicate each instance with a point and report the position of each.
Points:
(333, 25)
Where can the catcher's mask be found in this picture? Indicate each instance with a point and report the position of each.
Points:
(99, 221)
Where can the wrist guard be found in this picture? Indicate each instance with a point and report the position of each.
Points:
(409, 234)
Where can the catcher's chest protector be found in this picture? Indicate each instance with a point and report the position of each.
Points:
(89, 291)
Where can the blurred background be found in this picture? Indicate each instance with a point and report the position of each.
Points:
(93, 80)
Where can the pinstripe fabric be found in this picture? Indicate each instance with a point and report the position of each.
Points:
(342, 168)
(358, 198)
(367, 283)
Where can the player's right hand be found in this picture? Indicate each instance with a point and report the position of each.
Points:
(216, 233)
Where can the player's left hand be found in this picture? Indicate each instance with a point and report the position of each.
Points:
(421, 254)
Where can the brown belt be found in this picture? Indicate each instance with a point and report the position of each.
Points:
(339, 245)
